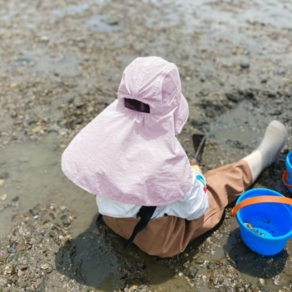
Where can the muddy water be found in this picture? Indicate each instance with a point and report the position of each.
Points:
(35, 177)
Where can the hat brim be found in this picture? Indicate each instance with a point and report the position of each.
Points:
(182, 115)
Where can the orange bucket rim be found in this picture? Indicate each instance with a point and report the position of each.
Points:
(284, 179)
(260, 199)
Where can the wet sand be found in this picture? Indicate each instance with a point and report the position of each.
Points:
(61, 64)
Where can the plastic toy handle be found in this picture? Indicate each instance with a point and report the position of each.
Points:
(261, 199)
(284, 179)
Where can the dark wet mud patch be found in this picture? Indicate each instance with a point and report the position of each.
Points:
(96, 258)
(241, 122)
(254, 266)
(240, 127)
(88, 259)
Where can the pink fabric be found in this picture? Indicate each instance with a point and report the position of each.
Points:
(134, 157)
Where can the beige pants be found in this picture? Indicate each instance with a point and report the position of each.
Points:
(168, 236)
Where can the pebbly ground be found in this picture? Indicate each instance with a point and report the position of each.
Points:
(61, 63)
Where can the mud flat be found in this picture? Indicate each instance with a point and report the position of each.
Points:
(60, 65)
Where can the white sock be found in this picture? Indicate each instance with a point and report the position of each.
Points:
(274, 140)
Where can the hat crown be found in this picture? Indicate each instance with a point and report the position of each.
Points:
(154, 81)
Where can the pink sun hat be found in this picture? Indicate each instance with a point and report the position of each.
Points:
(130, 156)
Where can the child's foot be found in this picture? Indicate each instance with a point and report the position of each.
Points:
(272, 143)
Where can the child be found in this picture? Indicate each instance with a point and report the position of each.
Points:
(145, 187)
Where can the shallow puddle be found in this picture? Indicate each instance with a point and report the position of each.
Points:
(103, 23)
(71, 10)
(35, 176)
(67, 65)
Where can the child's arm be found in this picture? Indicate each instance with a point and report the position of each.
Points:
(196, 168)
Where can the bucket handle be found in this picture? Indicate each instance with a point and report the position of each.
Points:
(261, 199)
(284, 179)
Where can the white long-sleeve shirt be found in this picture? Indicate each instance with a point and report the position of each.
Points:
(192, 206)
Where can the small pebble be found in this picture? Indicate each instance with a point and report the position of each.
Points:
(244, 65)
(199, 260)
(44, 266)
(66, 220)
(262, 281)
(192, 272)
(249, 226)
(20, 247)
(11, 250)
(15, 199)
(3, 197)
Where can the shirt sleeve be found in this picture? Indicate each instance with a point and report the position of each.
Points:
(195, 203)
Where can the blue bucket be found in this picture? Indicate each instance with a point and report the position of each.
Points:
(274, 220)
(289, 170)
